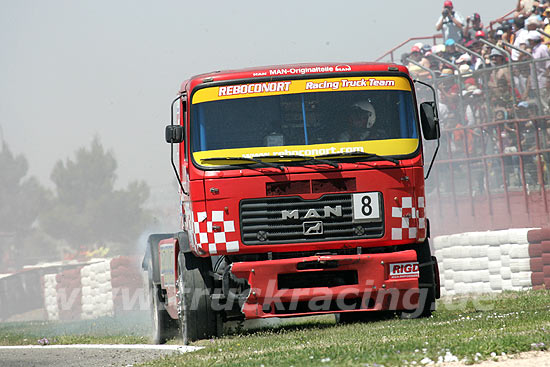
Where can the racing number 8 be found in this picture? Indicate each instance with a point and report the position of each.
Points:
(366, 206)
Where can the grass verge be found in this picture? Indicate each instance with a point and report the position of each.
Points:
(467, 329)
(129, 329)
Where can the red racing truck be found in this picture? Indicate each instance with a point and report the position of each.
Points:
(302, 193)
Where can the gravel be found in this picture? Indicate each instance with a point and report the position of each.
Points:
(84, 356)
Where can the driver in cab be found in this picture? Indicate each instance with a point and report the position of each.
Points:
(361, 120)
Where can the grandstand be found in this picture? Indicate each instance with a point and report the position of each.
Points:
(493, 95)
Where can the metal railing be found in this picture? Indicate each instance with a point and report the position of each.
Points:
(492, 171)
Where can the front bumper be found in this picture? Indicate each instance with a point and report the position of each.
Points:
(328, 284)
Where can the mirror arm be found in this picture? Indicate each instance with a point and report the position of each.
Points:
(172, 144)
(433, 159)
(436, 120)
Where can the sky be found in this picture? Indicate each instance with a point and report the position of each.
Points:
(71, 70)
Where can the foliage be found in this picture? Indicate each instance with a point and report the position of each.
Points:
(22, 200)
(87, 209)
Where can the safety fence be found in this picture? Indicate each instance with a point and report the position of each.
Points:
(492, 170)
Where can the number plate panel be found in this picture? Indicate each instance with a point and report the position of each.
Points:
(366, 206)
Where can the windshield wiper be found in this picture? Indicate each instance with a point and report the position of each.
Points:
(361, 154)
(305, 158)
(247, 159)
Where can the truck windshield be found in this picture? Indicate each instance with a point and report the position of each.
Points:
(304, 117)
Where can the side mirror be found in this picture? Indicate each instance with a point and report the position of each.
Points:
(174, 134)
(429, 120)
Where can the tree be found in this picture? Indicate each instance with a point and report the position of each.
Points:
(22, 200)
(87, 209)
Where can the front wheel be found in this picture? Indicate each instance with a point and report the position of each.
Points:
(163, 325)
(197, 318)
(426, 283)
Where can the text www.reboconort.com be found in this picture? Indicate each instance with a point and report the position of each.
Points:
(307, 152)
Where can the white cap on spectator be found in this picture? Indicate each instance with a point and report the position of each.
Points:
(534, 35)
(463, 58)
(438, 48)
(463, 69)
(533, 19)
(419, 45)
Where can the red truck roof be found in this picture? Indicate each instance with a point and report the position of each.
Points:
(289, 70)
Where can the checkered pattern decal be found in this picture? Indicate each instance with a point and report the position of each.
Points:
(213, 233)
(410, 221)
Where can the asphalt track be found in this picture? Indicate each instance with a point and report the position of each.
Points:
(85, 355)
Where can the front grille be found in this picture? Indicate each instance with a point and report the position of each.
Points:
(262, 220)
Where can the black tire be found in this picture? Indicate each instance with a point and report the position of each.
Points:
(426, 283)
(197, 318)
(164, 327)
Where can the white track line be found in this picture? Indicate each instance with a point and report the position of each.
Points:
(176, 348)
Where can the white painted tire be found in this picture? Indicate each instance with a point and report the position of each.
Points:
(493, 253)
(519, 265)
(518, 236)
(495, 267)
(520, 251)
(492, 238)
(503, 237)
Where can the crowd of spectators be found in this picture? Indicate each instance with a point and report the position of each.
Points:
(494, 62)
(489, 73)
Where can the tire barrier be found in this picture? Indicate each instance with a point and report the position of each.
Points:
(487, 262)
(473, 262)
(104, 288)
(69, 294)
(539, 252)
(97, 297)
(50, 296)
(127, 283)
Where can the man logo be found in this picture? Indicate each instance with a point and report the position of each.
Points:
(313, 228)
(312, 213)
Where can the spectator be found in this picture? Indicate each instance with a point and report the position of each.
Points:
(520, 36)
(464, 59)
(506, 32)
(451, 53)
(500, 82)
(540, 51)
(448, 90)
(438, 50)
(481, 34)
(473, 25)
(426, 51)
(522, 78)
(546, 16)
(476, 46)
(415, 57)
(525, 7)
(450, 22)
